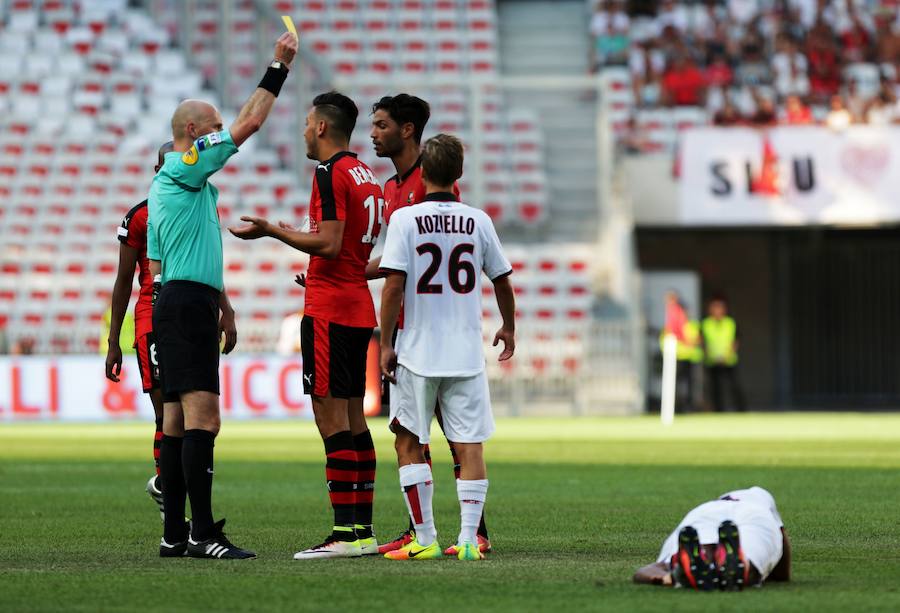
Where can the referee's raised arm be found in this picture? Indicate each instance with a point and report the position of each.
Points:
(257, 108)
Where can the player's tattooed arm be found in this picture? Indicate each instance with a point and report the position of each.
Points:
(326, 242)
(654, 574)
(506, 301)
(121, 294)
(257, 108)
(227, 325)
(391, 301)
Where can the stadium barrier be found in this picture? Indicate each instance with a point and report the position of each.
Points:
(74, 388)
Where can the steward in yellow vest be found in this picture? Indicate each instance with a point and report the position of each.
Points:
(720, 344)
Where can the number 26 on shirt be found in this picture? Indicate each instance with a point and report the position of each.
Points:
(375, 208)
(460, 273)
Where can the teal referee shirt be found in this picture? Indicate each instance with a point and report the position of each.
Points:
(183, 230)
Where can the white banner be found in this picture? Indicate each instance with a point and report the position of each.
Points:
(790, 175)
(74, 388)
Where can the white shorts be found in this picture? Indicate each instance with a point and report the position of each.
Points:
(465, 404)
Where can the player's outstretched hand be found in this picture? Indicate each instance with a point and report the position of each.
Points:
(286, 48)
(228, 327)
(300, 280)
(114, 363)
(509, 343)
(389, 364)
(257, 228)
(286, 226)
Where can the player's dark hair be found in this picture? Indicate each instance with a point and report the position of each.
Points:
(338, 110)
(404, 108)
(442, 160)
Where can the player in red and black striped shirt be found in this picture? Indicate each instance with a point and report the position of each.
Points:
(397, 126)
(132, 236)
(339, 316)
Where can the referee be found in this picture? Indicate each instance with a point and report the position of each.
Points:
(185, 237)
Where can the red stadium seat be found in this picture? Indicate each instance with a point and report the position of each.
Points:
(531, 211)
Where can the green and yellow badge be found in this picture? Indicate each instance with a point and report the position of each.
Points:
(190, 156)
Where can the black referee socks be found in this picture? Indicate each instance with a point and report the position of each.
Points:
(197, 460)
(172, 477)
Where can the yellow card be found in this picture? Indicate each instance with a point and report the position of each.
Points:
(289, 24)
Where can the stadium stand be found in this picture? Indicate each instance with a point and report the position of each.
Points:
(81, 122)
(673, 64)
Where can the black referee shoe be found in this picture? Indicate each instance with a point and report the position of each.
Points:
(176, 549)
(217, 547)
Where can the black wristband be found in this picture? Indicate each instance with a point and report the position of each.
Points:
(273, 80)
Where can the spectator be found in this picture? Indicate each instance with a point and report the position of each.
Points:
(765, 110)
(728, 115)
(609, 27)
(824, 64)
(647, 63)
(683, 83)
(856, 43)
(790, 68)
(855, 103)
(797, 113)
(674, 14)
(887, 42)
(754, 69)
(838, 116)
(882, 109)
(719, 73)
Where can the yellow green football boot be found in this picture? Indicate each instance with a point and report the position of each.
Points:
(469, 551)
(414, 551)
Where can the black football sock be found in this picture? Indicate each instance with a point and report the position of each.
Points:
(174, 492)
(340, 472)
(365, 483)
(456, 467)
(482, 527)
(197, 460)
(157, 441)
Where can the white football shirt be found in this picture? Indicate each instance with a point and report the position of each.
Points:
(443, 246)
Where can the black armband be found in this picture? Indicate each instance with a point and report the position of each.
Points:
(273, 80)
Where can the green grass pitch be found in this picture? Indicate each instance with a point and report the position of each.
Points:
(575, 505)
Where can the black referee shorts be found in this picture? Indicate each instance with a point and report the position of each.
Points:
(334, 358)
(186, 325)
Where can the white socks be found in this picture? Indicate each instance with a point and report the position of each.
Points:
(418, 489)
(471, 496)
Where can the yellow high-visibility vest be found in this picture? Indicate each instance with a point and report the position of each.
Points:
(719, 336)
(691, 350)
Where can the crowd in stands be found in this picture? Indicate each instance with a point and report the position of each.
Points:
(757, 62)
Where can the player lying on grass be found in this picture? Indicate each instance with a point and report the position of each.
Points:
(726, 544)
(397, 126)
(433, 257)
(132, 235)
(339, 317)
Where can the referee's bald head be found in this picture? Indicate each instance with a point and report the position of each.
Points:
(193, 119)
